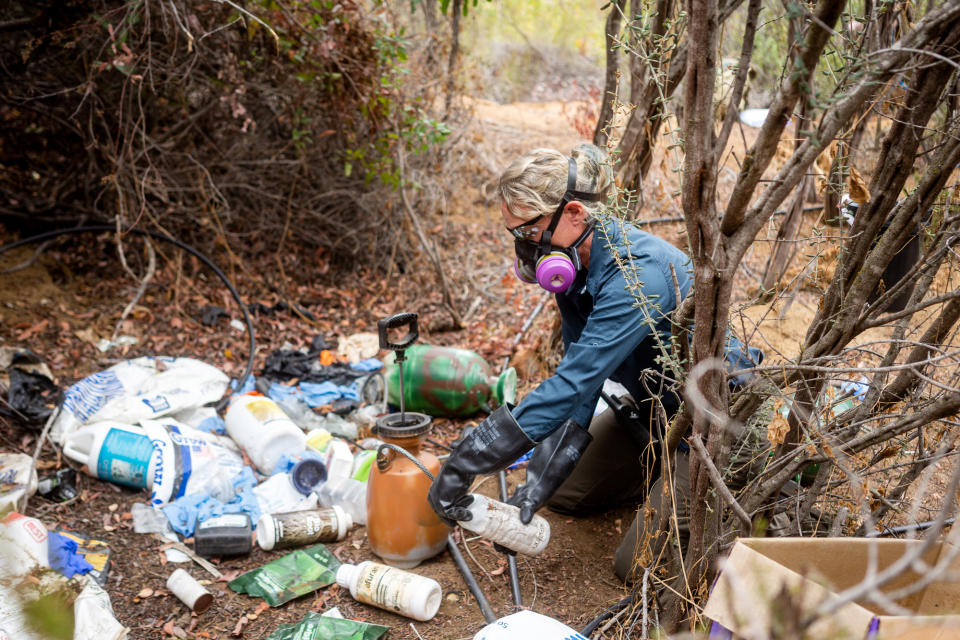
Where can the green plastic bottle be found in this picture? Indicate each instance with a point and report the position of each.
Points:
(448, 382)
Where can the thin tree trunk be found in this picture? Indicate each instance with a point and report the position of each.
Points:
(612, 77)
(455, 7)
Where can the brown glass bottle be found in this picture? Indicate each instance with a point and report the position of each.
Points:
(401, 526)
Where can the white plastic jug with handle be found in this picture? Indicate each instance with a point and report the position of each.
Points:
(257, 424)
(112, 451)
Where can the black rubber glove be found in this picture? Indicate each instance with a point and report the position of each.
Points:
(493, 445)
(550, 464)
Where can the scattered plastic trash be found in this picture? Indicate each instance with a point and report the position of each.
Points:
(296, 409)
(189, 591)
(202, 419)
(362, 462)
(95, 552)
(18, 481)
(168, 458)
(185, 513)
(358, 347)
(278, 494)
(115, 452)
(446, 381)
(64, 556)
(527, 624)
(335, 453)
(58, 487)
(307, 474)
(93, 615)
(227, 535)
(367, 416)
(122, 341)
(300, 528)
(500, 523)
(142, 388)
(327, 627)
(187, 460)
(263, 430)
(754, 117)
(148, 519)
(857, 388)
(346, 493)
(24, 544)
(290, 576)
(32, 395)
(393, 589)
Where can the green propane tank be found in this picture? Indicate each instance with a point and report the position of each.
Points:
(448, 382)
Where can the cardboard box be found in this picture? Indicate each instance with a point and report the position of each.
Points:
(761, 574)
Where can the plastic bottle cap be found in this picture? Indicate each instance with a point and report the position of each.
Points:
(344, 521)
(346, 575)
(307, 474)
(266, 536)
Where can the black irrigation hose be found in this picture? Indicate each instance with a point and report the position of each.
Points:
(159, 236)
(907, 528)
(609, 612)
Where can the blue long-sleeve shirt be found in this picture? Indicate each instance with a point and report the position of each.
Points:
(606, 333)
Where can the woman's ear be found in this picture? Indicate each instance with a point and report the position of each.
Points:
(577, 212)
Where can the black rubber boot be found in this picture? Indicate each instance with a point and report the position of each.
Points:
(493, 445)
(550, 464)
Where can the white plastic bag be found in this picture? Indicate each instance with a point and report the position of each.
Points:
(93, 615)
(143, 388)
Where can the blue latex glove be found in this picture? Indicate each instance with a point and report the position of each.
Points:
(63, 556)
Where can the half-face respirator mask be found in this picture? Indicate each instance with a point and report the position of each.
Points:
(553, 268)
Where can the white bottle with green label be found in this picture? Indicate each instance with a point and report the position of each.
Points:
(392, 589)
(112, 451)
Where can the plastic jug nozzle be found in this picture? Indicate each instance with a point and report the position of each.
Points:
(393, 322)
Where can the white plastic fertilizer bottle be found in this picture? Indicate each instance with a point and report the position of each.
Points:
(500, 523)
(257, 424)
(392, 589)
(115, 452)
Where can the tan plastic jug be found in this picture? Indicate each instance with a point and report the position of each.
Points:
(401, 525)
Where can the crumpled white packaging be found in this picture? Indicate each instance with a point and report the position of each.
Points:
(93, 615)
(138, 389)
(187, 459)
(18, 481)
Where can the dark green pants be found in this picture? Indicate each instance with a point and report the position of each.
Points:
(613, 471)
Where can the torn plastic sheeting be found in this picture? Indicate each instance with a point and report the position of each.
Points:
(323, 627)
(32, 396)
(93, 614)
(142, 388)
(32, 393)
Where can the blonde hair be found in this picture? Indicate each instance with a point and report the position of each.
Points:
(534, 183)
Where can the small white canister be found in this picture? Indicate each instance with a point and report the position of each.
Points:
(191, 593)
